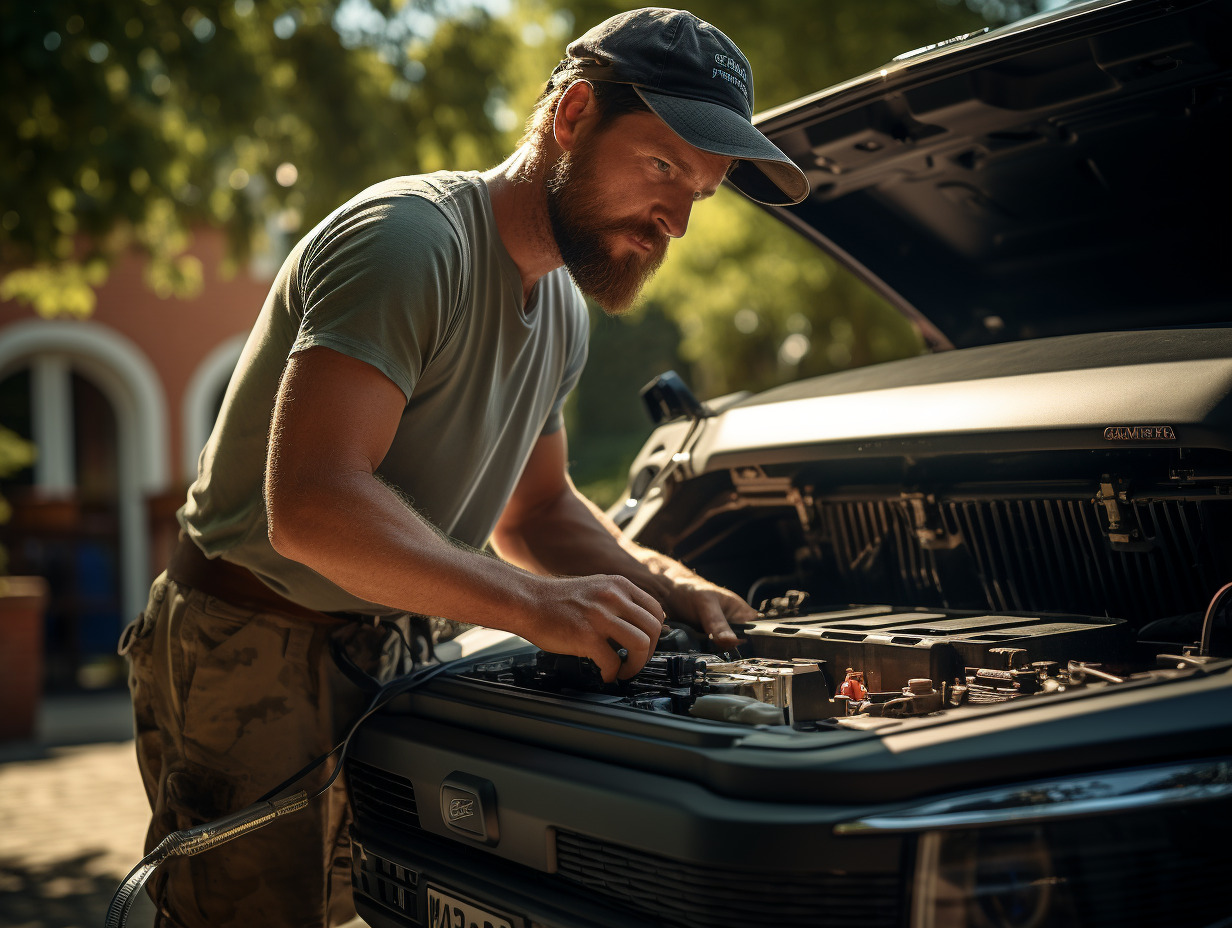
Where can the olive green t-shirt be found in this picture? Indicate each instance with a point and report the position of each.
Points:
(411, 277)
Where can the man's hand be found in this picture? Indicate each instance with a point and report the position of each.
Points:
(707, 607)
(592, 617)
(550, 529)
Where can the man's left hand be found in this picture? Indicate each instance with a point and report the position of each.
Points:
(708, 607)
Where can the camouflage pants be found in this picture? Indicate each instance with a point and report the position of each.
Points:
(228, 703)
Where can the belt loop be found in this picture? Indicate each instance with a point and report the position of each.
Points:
(299, 638)
(129, 635)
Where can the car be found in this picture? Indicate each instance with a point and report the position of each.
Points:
(1018, 545)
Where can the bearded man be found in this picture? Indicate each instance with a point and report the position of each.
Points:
(397, 407)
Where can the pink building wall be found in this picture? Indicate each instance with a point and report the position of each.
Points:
(158, 362)
(175, 335)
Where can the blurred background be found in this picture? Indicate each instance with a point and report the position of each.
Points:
(160, 158)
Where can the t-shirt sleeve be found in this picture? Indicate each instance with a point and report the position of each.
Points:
(575, 360)
(381, 283)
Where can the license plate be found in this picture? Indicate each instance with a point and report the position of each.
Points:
(446, 910)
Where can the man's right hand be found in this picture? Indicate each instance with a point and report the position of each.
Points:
(592, 617)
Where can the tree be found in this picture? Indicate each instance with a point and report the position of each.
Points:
(16, 454)
(127, 124)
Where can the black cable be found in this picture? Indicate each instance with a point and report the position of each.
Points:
(389, 691)
(1208, 621)
(365, 682)
(397, 630)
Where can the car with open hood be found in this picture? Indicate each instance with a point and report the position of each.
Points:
(1018, 547)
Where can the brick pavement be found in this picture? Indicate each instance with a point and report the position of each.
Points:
(72, 816)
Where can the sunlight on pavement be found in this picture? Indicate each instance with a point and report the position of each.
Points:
(71, 826)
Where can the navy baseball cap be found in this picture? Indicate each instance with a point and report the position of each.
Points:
(696, 80)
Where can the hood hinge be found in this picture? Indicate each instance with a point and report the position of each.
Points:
(1119, 517)
(929, 523)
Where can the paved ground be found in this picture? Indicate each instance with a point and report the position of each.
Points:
(72, 815)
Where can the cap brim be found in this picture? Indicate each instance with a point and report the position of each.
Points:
(763, 174)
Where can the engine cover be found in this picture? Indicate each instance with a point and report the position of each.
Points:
(893, 646)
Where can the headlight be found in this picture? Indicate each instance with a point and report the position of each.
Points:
(1135, 847)
(999, 878)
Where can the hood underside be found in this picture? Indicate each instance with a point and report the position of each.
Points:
(1065, 175)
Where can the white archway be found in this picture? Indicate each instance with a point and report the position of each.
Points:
(197, 411)
(127, 378)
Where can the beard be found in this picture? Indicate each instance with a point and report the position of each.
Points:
(584, 234)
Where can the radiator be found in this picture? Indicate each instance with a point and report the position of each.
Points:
(1030, 555)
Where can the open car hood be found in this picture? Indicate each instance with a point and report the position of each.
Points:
(1065, 174)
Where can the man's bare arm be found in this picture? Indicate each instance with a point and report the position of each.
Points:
(334, 421)
(550, 528)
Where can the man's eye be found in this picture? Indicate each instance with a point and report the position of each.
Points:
(661, 166)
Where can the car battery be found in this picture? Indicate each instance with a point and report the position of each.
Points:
(797, 686)
(892, 646)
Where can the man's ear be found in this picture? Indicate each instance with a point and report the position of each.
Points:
(575, 109)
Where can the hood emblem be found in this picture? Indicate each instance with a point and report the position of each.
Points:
(468, 807)
(1139, 433)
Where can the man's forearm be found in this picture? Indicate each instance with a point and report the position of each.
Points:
(569, 536)
(358, 533)
(573, 537)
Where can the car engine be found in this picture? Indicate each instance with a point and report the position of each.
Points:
(929, 566)
(907, 663)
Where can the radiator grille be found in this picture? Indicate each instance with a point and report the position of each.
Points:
(394, 886)
(675, 893)
(381, 799)
(1039, 555)
(668, 892)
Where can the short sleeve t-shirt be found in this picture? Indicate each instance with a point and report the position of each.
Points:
(411, 277)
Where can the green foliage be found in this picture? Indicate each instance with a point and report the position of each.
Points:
(63, 289)
(757, 305)
(798, 48)
(16, 454)
(605, 416)
(127, 123)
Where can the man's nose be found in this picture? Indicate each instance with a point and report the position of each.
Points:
(672, 215)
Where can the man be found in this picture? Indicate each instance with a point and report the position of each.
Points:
(396, 407)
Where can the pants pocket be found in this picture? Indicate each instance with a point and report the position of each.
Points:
(248, 711)
(142, 627)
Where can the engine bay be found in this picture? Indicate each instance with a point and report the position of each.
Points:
(907, 573)
(817, 668)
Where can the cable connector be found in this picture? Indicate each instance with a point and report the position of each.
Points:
(192, 841)
(212, 834)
